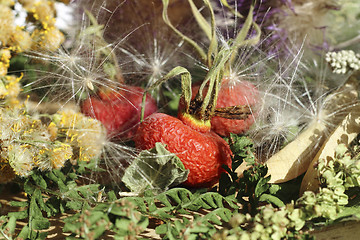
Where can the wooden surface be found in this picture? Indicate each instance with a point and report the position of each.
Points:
(349, 230)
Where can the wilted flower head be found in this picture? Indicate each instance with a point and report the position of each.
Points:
(287, 24)
(87, 136)
(48, 39)
(54, 156)
(6, 24)
(301, 22)
(21, 159)
(21, 40)
(5, 56)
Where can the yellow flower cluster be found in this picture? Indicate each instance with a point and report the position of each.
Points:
(12, 37)
(26, 144)
(87, 136)
(10, 88)
(15, 39)
(46, 37)
(5, 57)
(54, 157)
(6, 25)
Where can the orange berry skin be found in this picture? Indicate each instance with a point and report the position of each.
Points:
(119, 111)
(202, 153)
(232, 94)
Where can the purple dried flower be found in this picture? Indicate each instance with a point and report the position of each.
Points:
(286, 25)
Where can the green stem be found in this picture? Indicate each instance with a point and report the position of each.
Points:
(213, 47)
(233, 11)
(185, 86)
(212, 82)
(166, 19)
(240, 41)
(218, 61)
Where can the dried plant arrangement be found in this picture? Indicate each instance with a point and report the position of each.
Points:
(170, 119)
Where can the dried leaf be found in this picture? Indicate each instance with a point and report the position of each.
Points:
(295, 158)
(344, 133)
(157, 169)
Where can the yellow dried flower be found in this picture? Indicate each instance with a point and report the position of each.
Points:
(87, 136)
(13, 86)
(13, 102)
(6, 25)
(9, 89)
(64, 1)
(3, 90)
(21, 40)
(5, 56)
(54, 157)
(41, 11)
(47, 39)
(3, 69)
(52, 129)
(26, 3)
(16, 126)
(7, 3)
(21, 159)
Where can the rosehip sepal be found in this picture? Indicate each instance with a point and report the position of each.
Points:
(196, 124)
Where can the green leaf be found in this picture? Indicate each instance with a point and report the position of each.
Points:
(11, 224)
(59, 174)
(151, 204)
(19, 215)
(234, 11)
(112, 196)
(72, 223)
(139, 202)
(218, 215)
(161, 229)
(29, 188)
(19, 204)
(274, 188)
(164, 200)
(210, 200)
(122, 224)
(40, 224)
(156, 169)
(41, 203)
(117, 210)
(262, 186)
(240, 41)
(271, 199)
(353, 211)
(205, 26)
(209, 29)
(95, 216)
(98, 231)
(24, 233)
(163, 212)
(35, 211)
(74, 205)
(39, 180)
